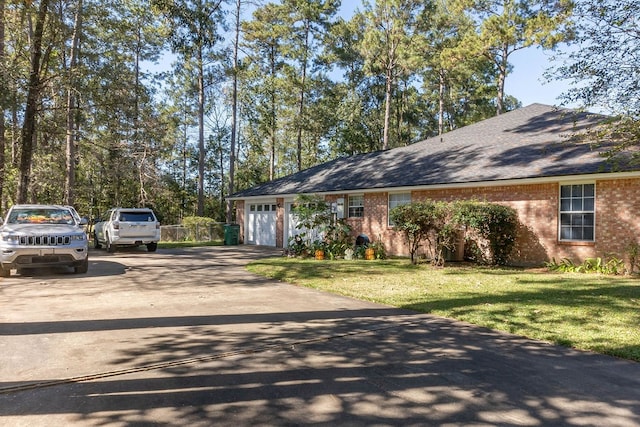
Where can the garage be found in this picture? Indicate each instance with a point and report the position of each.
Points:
(261, 224)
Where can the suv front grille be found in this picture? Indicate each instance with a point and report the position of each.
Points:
(45, 240)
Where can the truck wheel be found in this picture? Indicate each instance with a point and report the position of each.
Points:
(151, 247)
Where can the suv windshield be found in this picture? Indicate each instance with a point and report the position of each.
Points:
(40, 216)
(136, 217)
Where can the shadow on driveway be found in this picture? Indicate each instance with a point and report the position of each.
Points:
(215, 345)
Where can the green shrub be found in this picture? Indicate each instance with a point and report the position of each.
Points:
(192, 221)
(337, 239)
(565, 265)
(422, 222)
(633, 252)
(379, 249)
(613, 266)
(313, 215)
(489, 227)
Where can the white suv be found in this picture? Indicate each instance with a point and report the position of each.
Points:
(127, 227)
(36, 236)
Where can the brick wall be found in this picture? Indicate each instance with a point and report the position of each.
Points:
(374, 223)
(240, 218)
(617, 216)
(617, 219)
(537, 208)
(280, 223)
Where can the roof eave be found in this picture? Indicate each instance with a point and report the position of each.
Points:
(470, 184)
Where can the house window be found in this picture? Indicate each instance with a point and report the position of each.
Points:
(356, 206)
(397, 199)
(577, 212)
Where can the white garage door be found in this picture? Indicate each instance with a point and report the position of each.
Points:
(261, 224)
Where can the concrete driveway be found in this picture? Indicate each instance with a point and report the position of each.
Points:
(189, 338)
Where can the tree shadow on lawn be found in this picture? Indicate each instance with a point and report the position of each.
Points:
(568, 312)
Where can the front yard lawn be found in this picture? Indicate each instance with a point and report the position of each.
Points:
(584, 311)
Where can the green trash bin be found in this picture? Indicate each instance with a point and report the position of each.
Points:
(231, 234)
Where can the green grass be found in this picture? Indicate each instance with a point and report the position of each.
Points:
(585, 311)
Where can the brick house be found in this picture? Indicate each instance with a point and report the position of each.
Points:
(570, 201)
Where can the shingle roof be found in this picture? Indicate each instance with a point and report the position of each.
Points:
(530, 142)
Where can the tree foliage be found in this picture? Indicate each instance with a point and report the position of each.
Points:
(422, 222)
(389, 46)
(88, 119)
(603, 68)
(506, 26)
(604, 64)
(490, 229)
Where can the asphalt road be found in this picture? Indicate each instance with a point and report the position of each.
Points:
(189, 338)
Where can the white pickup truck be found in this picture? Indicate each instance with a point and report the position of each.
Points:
(127, 227)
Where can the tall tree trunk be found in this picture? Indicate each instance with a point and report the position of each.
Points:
(70, 180)
(441, 94)
(14, 129)
(185, 139)
(31, 109)
(3, 95)
(502, 75)
(201, 151)
(142, 197)
(221, 166)
(272, 148)
(387, 107)
(234, 114)
(303, 83)
(138, 145)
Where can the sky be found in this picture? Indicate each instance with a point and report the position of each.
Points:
(527, 83)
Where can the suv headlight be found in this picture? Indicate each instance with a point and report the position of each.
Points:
(78, 237)
(10, 238)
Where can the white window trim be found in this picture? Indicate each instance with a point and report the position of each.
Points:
(349, 197)
(560, 212)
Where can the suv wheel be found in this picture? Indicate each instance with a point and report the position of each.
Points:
(82, 268)
(5, 272)
(111, 248)
(96, 242)
(151, 247)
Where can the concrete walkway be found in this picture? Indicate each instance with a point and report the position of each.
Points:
(189, 338)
